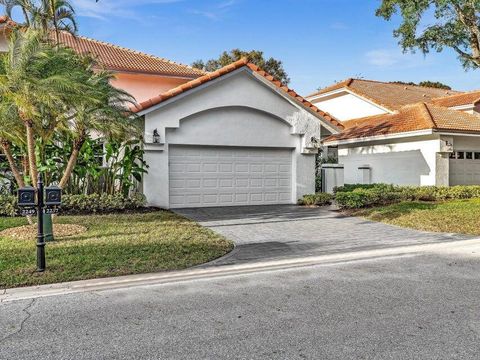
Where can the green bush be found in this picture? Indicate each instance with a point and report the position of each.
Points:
(101, 203)
(8, 205)
(359, 195)
(319, 199)
(82, 204)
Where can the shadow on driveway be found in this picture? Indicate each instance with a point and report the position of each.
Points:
(287, 231)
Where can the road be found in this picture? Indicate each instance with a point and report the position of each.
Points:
(423, 305)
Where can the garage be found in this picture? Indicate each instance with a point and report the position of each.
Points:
(233, 137)
(220, 176)
(464, 168)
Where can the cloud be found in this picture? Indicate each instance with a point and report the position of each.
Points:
(117, 8)
(383, 58)
(216, 12)
(338, 25)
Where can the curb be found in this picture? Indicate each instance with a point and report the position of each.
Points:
(192, 274)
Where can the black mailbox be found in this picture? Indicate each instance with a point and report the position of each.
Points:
(26, 197)
(53, 196)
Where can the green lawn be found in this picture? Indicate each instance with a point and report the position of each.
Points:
(113, 245)
(457, 216)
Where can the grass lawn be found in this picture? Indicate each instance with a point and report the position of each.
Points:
(456, 216)
(113, 245)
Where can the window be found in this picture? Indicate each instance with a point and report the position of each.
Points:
(477, 155)
(453, 155)
(460, 155)
(469, 155)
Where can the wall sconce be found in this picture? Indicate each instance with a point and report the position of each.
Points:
(156, 137)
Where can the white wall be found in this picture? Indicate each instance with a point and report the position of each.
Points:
(238, 110)
(346, 106)
(407, 162)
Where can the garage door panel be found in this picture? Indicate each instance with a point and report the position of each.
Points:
(464, 168)
(229, 176)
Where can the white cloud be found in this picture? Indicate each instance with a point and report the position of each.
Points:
(383, 58)
(217, 11)
(118, 8)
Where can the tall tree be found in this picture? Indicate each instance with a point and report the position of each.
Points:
(38, 79)
(456, 27)
(272, 66)
(45, 15)
(108, 116)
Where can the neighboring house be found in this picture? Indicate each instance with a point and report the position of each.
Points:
(403, 134)
(141, 75)
(232, 137)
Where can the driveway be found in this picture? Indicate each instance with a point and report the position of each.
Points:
(286, 231)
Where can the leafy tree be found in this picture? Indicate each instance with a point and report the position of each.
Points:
(457, 26)
(427, 83)
(272, 66)
(434, 84)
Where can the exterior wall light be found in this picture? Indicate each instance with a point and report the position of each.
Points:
(156, 137)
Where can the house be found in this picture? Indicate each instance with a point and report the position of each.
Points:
(234, 136)
(141, 75)
(404, 134)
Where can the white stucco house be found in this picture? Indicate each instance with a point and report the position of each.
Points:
(403, 134)
(232, 137)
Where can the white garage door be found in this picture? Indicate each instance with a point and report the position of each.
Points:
(203, 176)
(465, 168)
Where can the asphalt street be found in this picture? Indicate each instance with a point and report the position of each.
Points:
(413, 306)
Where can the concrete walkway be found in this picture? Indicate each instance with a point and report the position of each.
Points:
(287, 231)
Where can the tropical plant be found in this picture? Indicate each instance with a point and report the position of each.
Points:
(40, 83)
(456, 26)
(45, 15)
(272, 66)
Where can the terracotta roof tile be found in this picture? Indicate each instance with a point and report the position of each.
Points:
(467, 98)
(118, 58)
(122, 59)
(391, 96)
(413, 117)
(228, 69)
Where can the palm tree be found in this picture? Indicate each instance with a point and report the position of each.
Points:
(108, 116)
(38, 79)
(58, 15)
(45, 15)
(25, 5)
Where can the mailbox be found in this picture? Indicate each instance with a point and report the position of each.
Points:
(26, 197)
(53, 196)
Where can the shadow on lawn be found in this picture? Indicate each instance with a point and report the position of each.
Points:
(395, 211)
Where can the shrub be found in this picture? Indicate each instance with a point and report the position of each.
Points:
(101, 203)
(358, 196)
(82, 204)
(318, 199)
(8, 205)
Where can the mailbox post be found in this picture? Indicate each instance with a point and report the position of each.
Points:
(48, 201)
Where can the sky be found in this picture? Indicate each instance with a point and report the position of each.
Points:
(319, 41)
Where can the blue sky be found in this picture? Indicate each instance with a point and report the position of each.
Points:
(319, 41)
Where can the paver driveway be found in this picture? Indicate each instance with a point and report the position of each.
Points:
(284, 231)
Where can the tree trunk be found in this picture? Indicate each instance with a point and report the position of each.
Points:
(77, 145)
(11, 161)
(32, 160)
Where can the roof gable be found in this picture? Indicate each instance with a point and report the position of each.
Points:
(243, 63)
(413, 117)
(391, 96)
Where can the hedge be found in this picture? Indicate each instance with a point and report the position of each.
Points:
(360, 196)
(82, 204)
(318, 199)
